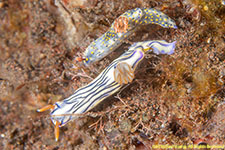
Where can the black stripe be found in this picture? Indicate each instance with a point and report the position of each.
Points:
(80, 103)
(100, 98)
(86, 101)
(75, 97)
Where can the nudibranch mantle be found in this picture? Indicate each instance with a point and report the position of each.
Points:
(122, 28)
(109, 81)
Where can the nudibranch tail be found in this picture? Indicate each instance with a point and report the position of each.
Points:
(155, 16)
(163, 47)
(157, 46)
(122, 28)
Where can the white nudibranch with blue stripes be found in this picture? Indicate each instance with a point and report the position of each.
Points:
(121, 29)
(109, 81)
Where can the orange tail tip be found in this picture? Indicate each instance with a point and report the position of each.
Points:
(57, 130)
(46, 108)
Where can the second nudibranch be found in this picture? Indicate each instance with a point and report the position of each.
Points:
(110, 80)
(123, 27)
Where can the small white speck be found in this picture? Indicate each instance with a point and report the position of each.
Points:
(2, 135)
(208, 40)
(202, 24)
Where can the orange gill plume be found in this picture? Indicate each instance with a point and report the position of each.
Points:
(121, 24)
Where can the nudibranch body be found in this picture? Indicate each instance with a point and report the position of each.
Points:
(110, 80)
(122, 28)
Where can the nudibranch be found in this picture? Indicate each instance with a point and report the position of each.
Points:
(110, 80)
(122, 28)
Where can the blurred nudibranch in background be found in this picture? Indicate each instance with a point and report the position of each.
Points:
(120, 72)
(121, 29)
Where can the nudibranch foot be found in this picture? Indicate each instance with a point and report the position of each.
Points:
(123, 73)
